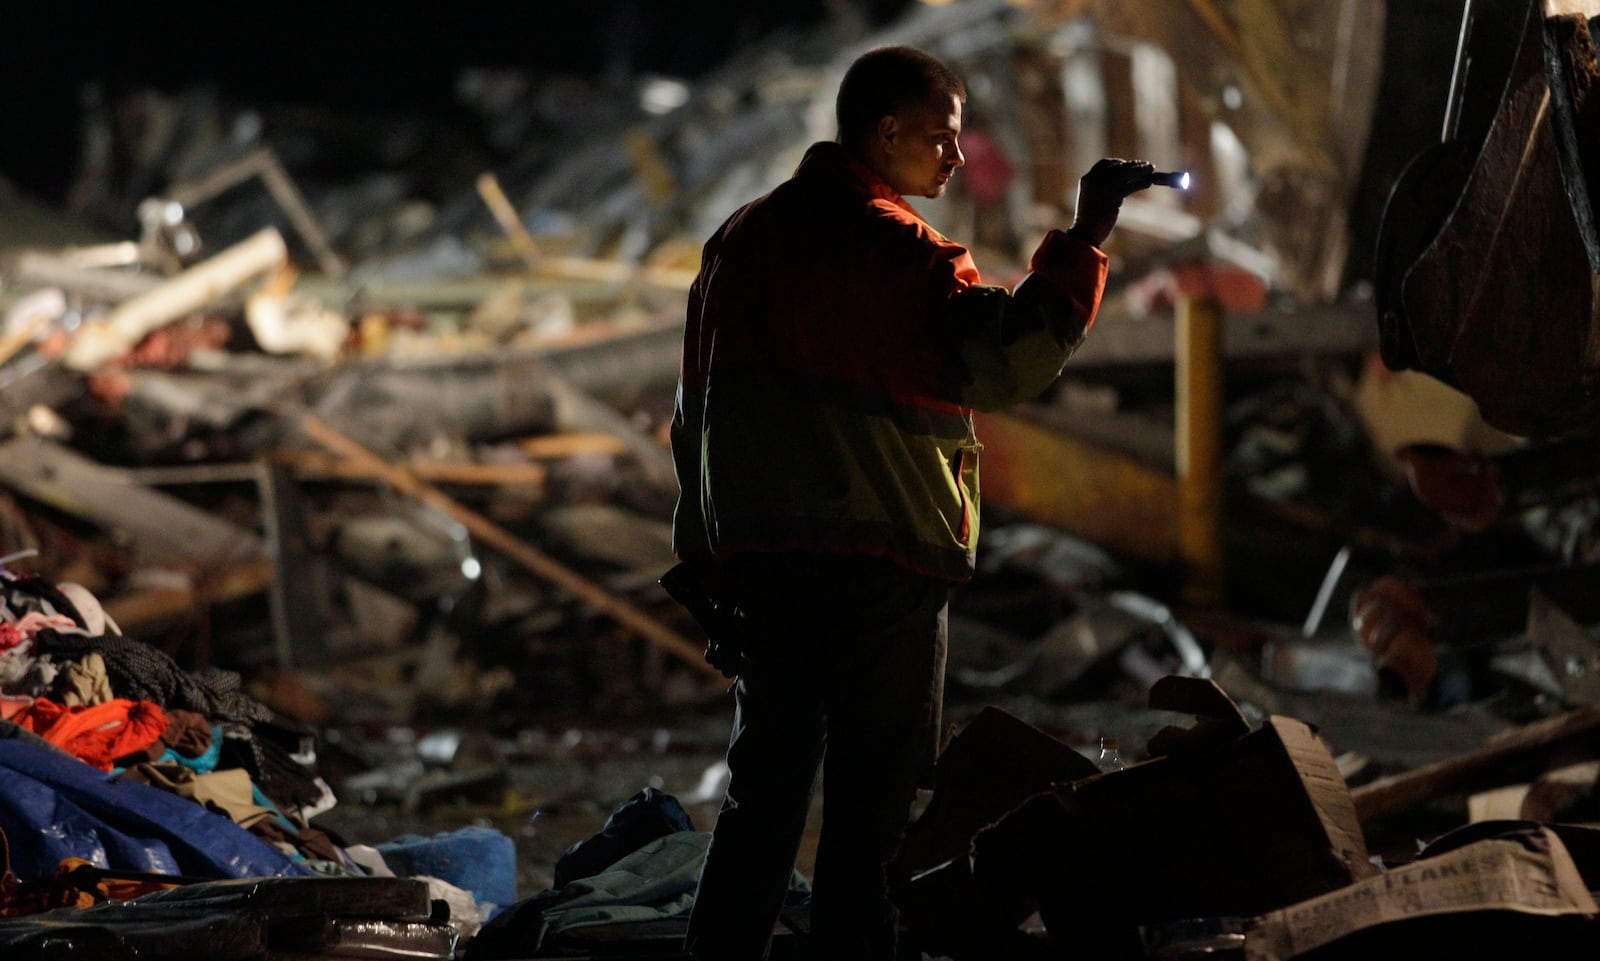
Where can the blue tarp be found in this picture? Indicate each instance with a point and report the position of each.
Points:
(54, 806)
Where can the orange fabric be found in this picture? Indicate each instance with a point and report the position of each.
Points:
(96, 734)
(103, 885)
(76, 884)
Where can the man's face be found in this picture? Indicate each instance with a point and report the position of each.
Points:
(917, 147)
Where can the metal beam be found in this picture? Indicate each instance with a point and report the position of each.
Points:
(1096, 493)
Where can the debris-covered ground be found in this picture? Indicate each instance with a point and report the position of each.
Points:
(333, 507)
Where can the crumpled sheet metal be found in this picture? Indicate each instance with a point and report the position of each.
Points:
(1495, 294)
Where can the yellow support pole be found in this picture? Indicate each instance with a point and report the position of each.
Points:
(1199, 443)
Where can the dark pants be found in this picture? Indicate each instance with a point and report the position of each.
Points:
(847, 672)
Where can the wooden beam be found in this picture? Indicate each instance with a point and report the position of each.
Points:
(1494, 765)
(444, 472)
(202, 285)
(228, 583)
(505, 214)
(534, 560)
(572, 444)
(13, 342)
(161, 529)
(33, 268)
(1094, 492)
(1200, 451)
(263, 162)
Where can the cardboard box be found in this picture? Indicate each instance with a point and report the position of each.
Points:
(991, 767)
(1236, 830)
(1506, 884)
(1230, 829)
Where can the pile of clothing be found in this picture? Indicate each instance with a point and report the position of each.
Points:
(134, 791)
(71, 684)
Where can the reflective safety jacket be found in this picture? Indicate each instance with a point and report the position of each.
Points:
(835, 348)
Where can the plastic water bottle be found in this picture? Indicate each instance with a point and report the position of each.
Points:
(1110, 755)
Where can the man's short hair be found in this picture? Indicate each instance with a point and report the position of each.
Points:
(886, 80)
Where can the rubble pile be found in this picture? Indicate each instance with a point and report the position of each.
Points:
(1226, 839)
(132, 781)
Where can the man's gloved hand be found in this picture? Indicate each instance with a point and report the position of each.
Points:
(1100, 193)
(726, 626)
(725, 654)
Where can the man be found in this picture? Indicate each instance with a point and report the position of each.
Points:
(835, 348)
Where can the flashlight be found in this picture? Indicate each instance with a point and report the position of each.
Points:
(1178, 179)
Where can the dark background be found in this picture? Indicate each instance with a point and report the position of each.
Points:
(350, 56)
(348, 69)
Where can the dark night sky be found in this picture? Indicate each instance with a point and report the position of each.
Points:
(355, 55)
(378, 50)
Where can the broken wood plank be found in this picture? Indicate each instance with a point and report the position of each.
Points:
(506, 216)
(401, 407)
(263, 162)
(121, 253)
(145, 608)
(162, 529)
(36, 269)
(23, 335)
(534, 560)
(572, 444)
(101, 339)
(293, 203)
(444, 472)
(577, 408)
(159, 528)
(1501, 761)
(612, 271)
